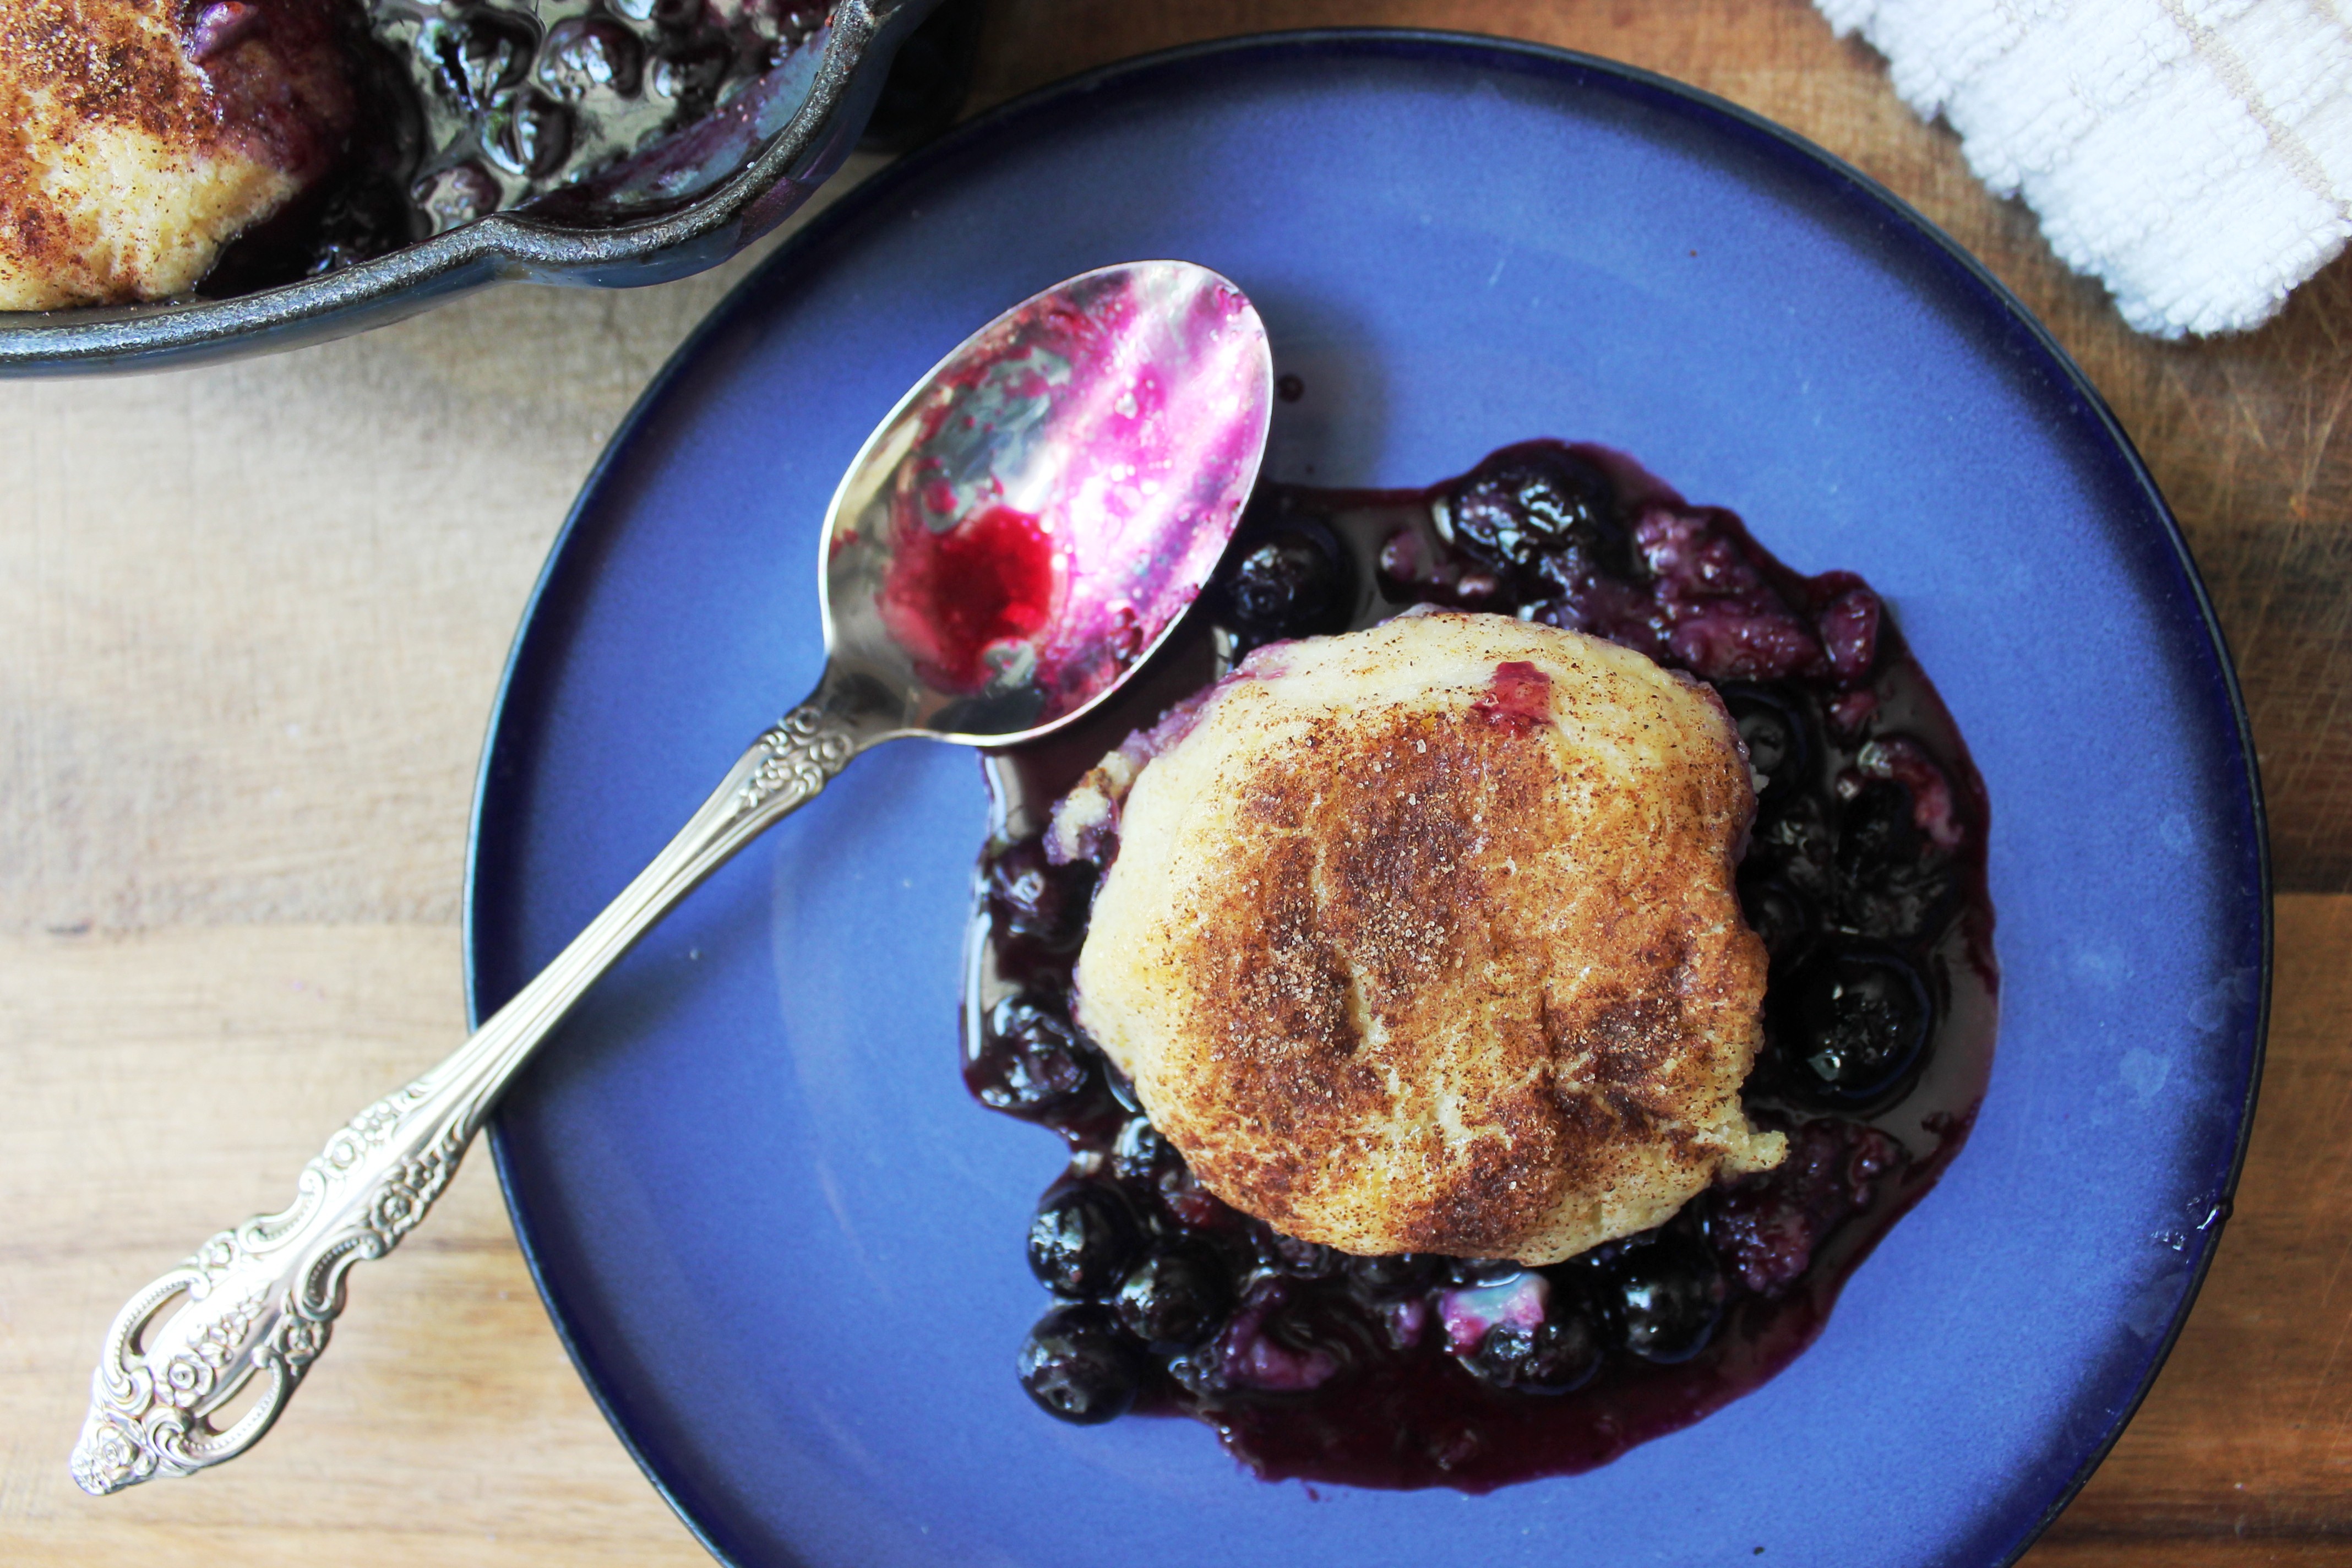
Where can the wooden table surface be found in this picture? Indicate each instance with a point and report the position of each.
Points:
(250, 621)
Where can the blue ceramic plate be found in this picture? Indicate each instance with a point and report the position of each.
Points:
(785, 1248)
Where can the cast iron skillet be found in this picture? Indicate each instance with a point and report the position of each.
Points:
(865, 37)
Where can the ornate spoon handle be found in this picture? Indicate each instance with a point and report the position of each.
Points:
(260, 1300)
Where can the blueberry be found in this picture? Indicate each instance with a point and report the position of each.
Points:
(1904, 902)
(1667, 1298)
(1139, 1153)
(1556, 1356)
(1287, 585)
(1766, 1227)
(1783, 917)
(458, 195)
(795, 25)
(1537, 501)
(217, 28)
(1895, 885)
(1122, 1089)
(1083, 1241)
(690, 74)
(661, 13)
(1399, 1275)
(1792, 839)
(1155, 1174)
(364, 218)
(1778, 736)
(1875, 827)
(1031, 1060)
(1037, 900)
(1175, 1298)
(1078, 1365)
(477, 56)
(1287, 1254)
(1475, 1272)
(527, 133)
(586, 53)
(1854, 1027)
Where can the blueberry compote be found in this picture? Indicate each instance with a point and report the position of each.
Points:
(586, 111)
(1864, 875)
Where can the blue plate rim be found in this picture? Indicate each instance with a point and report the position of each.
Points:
(1467, 49)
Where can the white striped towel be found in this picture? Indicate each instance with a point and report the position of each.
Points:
(2196, 155)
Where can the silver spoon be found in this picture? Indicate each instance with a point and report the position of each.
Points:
(1020, 533)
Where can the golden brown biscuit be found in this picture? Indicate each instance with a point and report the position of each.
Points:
(136, 139)
(1425, 939)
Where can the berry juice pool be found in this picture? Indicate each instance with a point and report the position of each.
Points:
(1864, 876)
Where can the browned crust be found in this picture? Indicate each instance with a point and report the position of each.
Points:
(1395, 876)
(278, 96)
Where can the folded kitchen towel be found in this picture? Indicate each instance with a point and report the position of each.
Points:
(2194, 154)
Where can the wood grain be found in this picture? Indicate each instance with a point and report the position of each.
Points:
(445, 1423)
(251, 619)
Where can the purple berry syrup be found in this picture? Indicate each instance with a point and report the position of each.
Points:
(1864, 875)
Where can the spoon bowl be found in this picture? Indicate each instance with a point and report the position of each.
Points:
(1033, 520)
(1012, 542)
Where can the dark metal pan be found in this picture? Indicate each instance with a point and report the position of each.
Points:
(863, 39)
